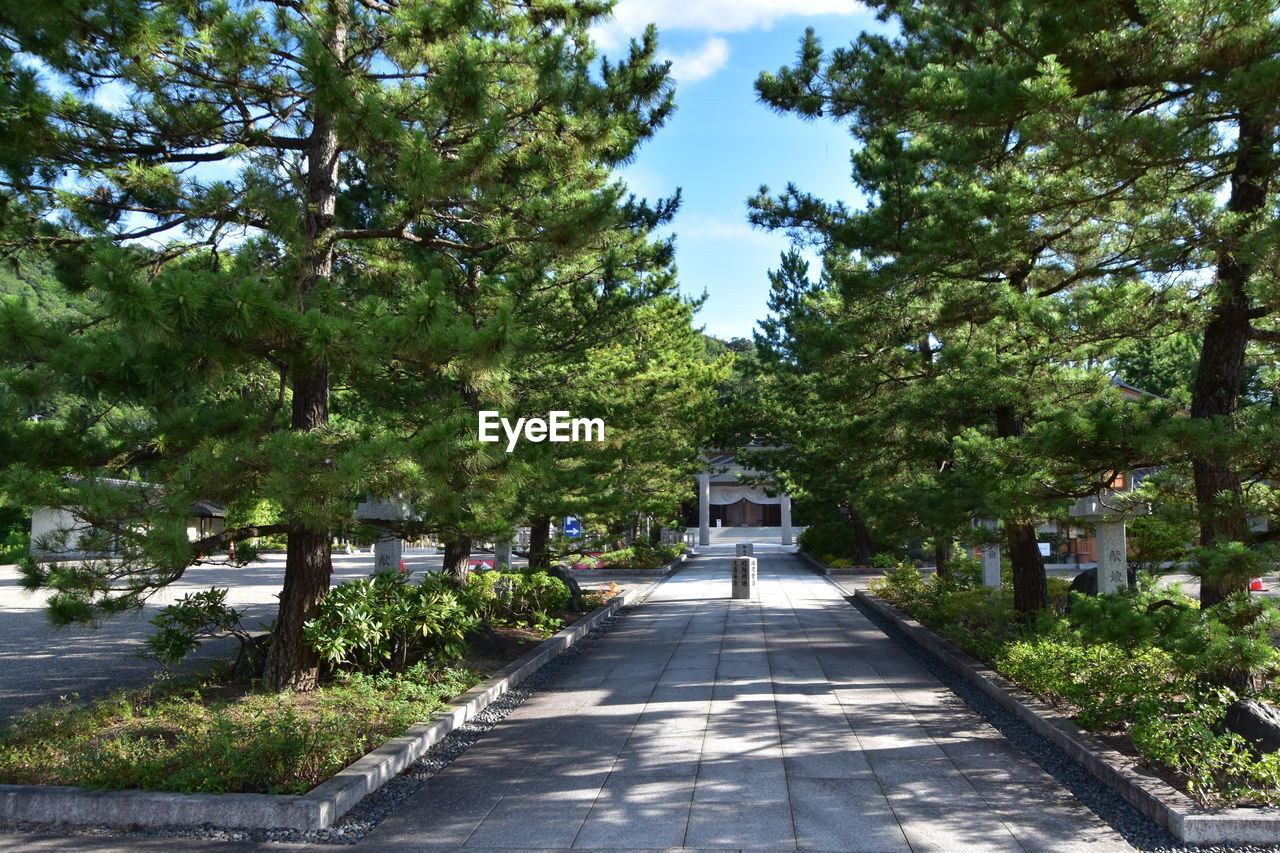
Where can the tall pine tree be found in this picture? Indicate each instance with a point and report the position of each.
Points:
(284, 213)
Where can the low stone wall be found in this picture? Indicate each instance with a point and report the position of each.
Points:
(1168, 807)
(321, 806)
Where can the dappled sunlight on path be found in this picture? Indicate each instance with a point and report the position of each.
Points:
(782, 723)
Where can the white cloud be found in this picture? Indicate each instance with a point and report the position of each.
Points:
(701, 63)
(713, 16)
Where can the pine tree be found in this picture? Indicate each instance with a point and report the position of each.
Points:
(645, 382)
(1018, 153)
(305, 228)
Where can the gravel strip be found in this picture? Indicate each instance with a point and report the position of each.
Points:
(1138, 829)
(370, 811)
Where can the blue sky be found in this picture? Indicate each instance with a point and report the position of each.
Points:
(722, 144)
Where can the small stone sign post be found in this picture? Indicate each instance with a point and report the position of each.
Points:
(1113, 549)
(990, 556)
(744, 577)
(1113, 556)
(746, 549)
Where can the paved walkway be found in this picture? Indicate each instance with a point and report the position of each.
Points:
(786, 723)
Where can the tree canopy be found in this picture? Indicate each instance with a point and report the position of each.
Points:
(315, 238)
(1053, 193)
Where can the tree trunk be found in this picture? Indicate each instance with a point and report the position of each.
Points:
(1220, 374)
(655, 535)
(457, 558)
(617, 531)
(863, 547)
(1030, 589)
(291, 665)
(539, 553)
(941, 551)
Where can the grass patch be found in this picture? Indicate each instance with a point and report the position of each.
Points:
(203, 733)
(395, 651)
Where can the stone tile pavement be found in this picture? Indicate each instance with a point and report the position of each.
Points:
(785, 723)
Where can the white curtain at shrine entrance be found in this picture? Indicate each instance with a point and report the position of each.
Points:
(721, 495)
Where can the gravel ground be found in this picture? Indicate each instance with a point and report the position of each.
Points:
(370, 811)
(1138, 829)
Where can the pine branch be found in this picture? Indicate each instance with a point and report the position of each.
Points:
(1265, 336)
(238, 534)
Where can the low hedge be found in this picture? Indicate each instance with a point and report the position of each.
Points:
(1146, 666)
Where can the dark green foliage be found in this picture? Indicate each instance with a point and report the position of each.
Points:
(387, 622)
(1034, 205)
(312, 239)
(15, 534)
(1228, 644)
(1164, 366)
(1148, 663)
(30, 280)
(510, 597)
(827, 540)
(641, 555)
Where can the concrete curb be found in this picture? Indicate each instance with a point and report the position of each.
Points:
(1168, 807)
(675, 565)
(319, 807)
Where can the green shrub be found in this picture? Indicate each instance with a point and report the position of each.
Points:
(1217, 766)
(1146, 662)
(199, 616)
(884, 560)
(387, 622)
(515, 597)
(828, 541)
(15, 545)
(642, 556)
(903, 587)
(964, 571)
(1229, 643)
(1110, 686)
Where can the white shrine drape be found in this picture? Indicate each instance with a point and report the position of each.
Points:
(721, 495)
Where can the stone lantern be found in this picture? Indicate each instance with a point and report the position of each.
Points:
(1109, 526)
(388, 549)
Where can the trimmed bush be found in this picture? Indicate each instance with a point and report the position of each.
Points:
(387, 622)
(1145, 663)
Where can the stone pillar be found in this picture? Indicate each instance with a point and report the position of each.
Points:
(990, 556)
(502, 553)
(1113, 556)
(704, 508)
(744, 577)
(786, 519)
(388, 551)
(745, 549)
